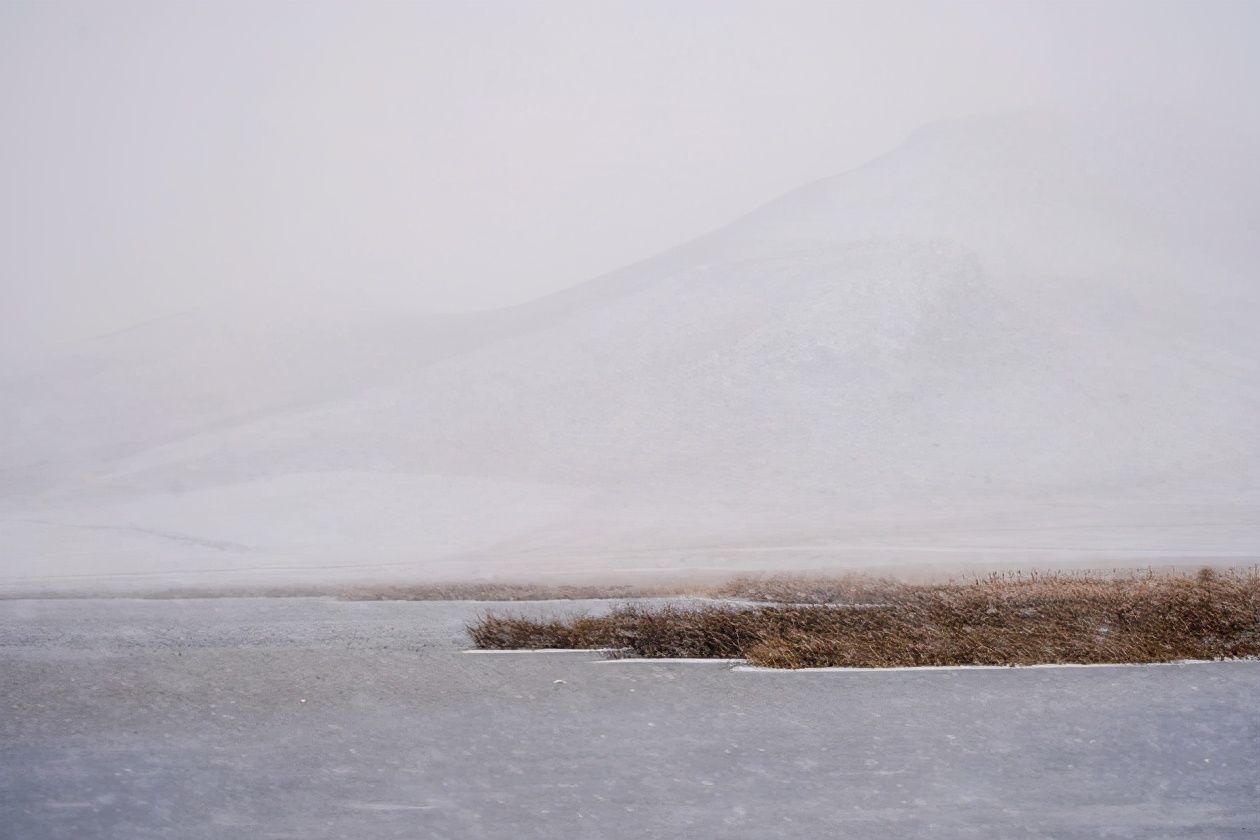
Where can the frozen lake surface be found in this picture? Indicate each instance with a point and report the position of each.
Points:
(313, 718)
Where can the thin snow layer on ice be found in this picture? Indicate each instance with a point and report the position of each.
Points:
(1009, 668)
(1013, 340)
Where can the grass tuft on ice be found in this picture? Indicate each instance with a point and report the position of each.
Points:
(1007, 619)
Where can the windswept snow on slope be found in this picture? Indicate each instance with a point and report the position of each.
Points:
(1012, 340)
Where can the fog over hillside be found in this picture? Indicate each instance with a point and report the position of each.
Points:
(1017, 339)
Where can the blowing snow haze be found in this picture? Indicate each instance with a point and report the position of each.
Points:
(1024, 339)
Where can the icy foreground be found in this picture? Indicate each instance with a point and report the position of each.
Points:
(364, 720)
(1012, 340)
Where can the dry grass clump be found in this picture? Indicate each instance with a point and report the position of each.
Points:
(493, 632)
(1000, 620)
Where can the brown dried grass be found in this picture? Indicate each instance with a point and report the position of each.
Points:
(999, 620)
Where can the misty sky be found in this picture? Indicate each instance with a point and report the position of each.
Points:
(160, 156)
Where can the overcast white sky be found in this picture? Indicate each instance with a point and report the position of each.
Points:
(159, 156)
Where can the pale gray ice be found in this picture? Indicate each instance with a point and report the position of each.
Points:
(313, 718)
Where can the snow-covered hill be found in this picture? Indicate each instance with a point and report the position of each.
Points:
(1017, 340)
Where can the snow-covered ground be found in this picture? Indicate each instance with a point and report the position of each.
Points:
(1013, 341)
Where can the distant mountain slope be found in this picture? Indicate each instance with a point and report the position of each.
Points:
(1011, 339)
